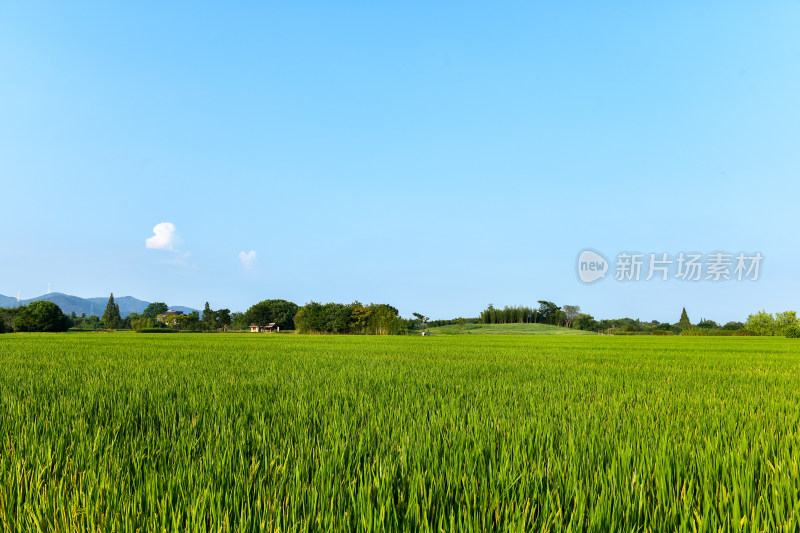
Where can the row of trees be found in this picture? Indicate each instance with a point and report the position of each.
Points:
(546, 313)
(785, 323)
(630, 325)
(154, 316)
(354, 318)
(372, 319)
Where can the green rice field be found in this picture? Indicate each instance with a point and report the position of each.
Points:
(240, 432)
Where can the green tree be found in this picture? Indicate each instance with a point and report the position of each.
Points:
(239, 320)
(281, 312)
(684, 322)
(549, 313)
(585, 322)
(140, 323)
(23, 321)
(223, 319)
(359, 317)
(41, 316)
(419, 321)
(761, 323)
(209, 317)
(784, 321)
(7, 317)
(111, 316)
(154, 309)
(571, 312)
(733, 326)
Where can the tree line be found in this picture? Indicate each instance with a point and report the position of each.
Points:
(546, 313)
(371, 319)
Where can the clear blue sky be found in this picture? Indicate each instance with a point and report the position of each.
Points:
(437, 158)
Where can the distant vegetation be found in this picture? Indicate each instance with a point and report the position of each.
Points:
(380, 319)
(355, 318)
(506, 329)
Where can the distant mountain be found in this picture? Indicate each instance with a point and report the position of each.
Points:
(88, 306)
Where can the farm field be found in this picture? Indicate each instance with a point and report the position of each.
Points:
(116, 432)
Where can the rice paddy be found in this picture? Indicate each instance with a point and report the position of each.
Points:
(116, 432)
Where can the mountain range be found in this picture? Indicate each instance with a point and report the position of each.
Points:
(89, 306)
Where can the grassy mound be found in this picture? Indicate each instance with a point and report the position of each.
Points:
(507, 329)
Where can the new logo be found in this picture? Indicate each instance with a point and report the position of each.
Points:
(591, 266)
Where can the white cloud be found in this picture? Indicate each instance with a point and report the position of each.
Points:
(247, 258)
(163, 237)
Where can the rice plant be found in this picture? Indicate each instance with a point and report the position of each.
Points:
(469, 433)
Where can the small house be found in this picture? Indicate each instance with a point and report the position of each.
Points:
(269, 328)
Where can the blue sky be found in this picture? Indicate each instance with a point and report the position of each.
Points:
(436, 157)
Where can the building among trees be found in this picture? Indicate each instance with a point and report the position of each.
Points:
(269, 328)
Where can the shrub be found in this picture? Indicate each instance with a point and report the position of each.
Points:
(792, 332)
(156, 330)
(661, 332)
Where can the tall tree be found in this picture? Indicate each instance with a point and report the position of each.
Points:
(223, 319)
(111, 316)
(420, 319)
(684, 322)
(549, 313)
(572, 312)
(209, 317)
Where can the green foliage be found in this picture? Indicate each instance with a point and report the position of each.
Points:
(784, 321)
(141, 324)
(239, 321)
(684, 322)
(222, 319)
(792, 332)
(452, 321)
(464, 433)
(281, 312)
(155, 330)
(111, 317)
(190, 322)
(505, 329)
(154, 309)
(87, 323)
(712, 333)
(761, 323)
(571, 312)
(661, 332)
(41, 316)
(547, 313)
(7, 316)
(355, 318)
(733, 326)
(585, 322)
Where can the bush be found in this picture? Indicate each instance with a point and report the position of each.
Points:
(41, 316)
(661, 332)
(156, 330)
(716, 333)
(792, 332)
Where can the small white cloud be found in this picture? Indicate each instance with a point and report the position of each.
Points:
(163, 237)
(247, 258)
